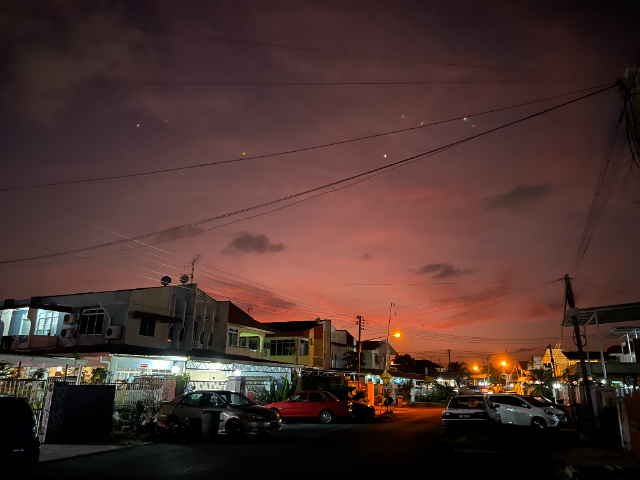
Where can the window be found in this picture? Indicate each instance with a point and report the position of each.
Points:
(172, 329)
(254, 343)
(316, 397)
(181, 335)
(215, 401)
(232, 337)
(376, 359)
(283, 347)
(91, 321)
(504, 400)
(210, 342)
(201, 338)
(147, 327)
(195, 331)
(193, 399)
(233, 398)
(467, 402)
(47, 323)
(243, 342)
(304, 346)
(301, 397)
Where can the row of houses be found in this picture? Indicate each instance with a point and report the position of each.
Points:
(169, 329)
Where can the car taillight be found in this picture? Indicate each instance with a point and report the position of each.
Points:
(447, 414)
(479, 415)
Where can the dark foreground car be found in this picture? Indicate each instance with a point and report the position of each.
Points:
(470, 411)
(362, 411)
(19, 443)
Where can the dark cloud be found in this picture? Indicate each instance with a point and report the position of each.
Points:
(366, 257)
(279, 303)
(444, 270)
(249, 243)
(520, 195)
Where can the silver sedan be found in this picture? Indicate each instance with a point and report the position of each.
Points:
(239, 415)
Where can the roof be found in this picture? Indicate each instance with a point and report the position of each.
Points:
(626, 312)
(237, 316)
(623, 331)
(371, 345)
(292, 326)
(591, 355)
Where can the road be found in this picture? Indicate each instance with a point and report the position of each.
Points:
(409, 444)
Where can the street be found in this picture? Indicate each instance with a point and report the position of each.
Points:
(408, 444)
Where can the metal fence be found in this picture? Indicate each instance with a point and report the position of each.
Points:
(146, 392)
(35, 391)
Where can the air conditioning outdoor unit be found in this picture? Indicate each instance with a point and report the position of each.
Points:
(69, 319)
(195, 344)
(67, 333)
(113, 332)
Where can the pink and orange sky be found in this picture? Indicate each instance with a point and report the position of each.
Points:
(441, 237)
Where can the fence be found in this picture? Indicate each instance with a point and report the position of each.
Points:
(35, 391)
(146, 391)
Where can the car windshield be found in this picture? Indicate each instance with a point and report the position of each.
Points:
(535, 402)
(476, 403)
(235, 399)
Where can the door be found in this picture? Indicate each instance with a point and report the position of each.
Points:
(315, 404)
(521, 412)
(505, 411)
(213, 401)
(191, 406)
(295, 406)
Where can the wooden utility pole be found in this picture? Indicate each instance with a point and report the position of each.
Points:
(449, 352)
(359, 317)
(576, 332)
(552, 364)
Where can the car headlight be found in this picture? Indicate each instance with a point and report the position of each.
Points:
(255, 417)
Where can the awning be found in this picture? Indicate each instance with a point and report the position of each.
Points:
(157, 316)
(626, 312)
(623, 331)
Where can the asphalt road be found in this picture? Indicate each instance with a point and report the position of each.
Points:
(410, 444)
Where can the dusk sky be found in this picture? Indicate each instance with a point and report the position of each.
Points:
(89, 92)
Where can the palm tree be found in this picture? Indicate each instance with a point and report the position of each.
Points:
(458, 370)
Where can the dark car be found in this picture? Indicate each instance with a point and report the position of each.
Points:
(359, 410)
(19, 441)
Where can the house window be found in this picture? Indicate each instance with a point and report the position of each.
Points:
(181, 335)
(47, 323)
(283, 347)
(232, 337)
(91, 321)
(243, 342)
(254, 343)
(210, 342)
(147, 327)
(201, 338)
(172, 329)
(376, 359)
(195, 331)
(304, 346)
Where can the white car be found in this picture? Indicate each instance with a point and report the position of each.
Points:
(469, 411)
(527, 411)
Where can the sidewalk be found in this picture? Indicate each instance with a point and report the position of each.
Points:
(52, 453)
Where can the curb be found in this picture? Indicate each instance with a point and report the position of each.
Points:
(93, 453)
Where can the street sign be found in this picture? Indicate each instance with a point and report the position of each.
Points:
(386, 377)
(144, 365)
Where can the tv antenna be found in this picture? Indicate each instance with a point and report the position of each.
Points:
(193, 261)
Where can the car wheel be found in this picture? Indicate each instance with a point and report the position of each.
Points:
(172, 427)
(233, 428)
(326, 416)
(538, 423)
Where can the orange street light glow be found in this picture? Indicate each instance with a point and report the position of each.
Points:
(397, 335)
(504, 364)
(475, 367)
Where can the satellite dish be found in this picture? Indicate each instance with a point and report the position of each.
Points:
(184, 279)
(165, 280)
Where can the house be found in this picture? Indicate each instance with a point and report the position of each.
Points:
(133, 332)
(341, 342)
(305, 343)
(377, 354)
(563, 359)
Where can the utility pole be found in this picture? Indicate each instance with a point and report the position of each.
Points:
(576, 332)
(387, 357)
(359, 317)
(552, 364)
(449, 352)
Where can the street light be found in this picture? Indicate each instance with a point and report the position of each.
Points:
(475, 368)
(504, 364)
(397, 335)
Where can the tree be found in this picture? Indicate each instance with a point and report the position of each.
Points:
(458, 370)
(404, 362)
(350, 359)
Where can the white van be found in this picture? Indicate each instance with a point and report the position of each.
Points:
(528, 411)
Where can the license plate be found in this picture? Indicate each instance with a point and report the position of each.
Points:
(274, 425)
(464, 416)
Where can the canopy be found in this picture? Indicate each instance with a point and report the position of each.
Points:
(626, 312)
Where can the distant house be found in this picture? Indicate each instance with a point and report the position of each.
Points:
(341, 342)
(377, 354)
(563, 359)
(301, 343)
(245, 336)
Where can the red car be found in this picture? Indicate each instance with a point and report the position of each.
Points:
(313, 404)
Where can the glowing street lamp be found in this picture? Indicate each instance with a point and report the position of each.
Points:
(504, 364)
(475, 367)
(397, 335)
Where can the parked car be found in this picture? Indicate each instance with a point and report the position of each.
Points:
(359, 410)
(313, 404)
(470, 411)
(550, 403)
(527, 411)
(19, 443)
(239, 415)
(475, 390)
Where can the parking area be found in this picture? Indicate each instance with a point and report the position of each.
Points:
(408, 444)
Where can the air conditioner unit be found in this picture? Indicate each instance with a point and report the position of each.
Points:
(113, 332)
(67, 333)
(195, 344)
(69, 319)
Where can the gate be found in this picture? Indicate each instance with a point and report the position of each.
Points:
(35, 391)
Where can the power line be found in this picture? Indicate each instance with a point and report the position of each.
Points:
(281, 46)
(322, 189)
(288, 152)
